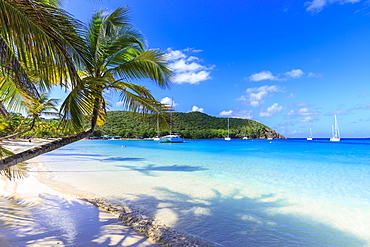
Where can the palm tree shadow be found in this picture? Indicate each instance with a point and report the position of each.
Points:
(236, 220)
(119, 159)
(151, 168)
(59, 221)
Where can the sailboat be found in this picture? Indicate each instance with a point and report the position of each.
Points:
(245, 136)
(172, 137)
(269, 135)
(157, 138)
(227, 138)
(335, 131)
(309, 138)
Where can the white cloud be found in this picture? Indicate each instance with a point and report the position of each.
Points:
(181, 66)
(318, 5)
(315, 5)
(192, 50)
(187, 68)
(119, 103)
(292, 74)
(240, 114)
(244, 114)
(302, 111)
(313, 75)
(174, 55)
(263, 75)
(257, 95)
(284, 124)
(271, 111)
(295, 73)
(307, 112)
(196, 108)
(191, 77)
(168, 101)
(307, 119)
(292, 95)
(226, 113)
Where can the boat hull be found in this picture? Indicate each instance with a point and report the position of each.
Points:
(171, 139)
(335, 139)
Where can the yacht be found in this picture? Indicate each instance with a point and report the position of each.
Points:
(172, 138)
(335, 131)
(309, 138)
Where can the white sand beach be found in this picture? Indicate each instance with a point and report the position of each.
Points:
(32, 214)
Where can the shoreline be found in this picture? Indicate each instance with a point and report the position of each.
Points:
(73, 218)
(143, 230)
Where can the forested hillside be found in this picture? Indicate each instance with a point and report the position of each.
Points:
(192, 125)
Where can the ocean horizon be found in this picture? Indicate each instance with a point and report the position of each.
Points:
(280, 192)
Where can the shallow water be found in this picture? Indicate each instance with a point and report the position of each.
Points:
(237, 193)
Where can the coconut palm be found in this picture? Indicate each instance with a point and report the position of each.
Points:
(116, 57)
(36, 107)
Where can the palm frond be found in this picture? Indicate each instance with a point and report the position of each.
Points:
(12, 95)
(149, 64)
(15, 172)
(44, 36)
(79, 103)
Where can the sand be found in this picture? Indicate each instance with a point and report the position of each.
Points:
(32, 214)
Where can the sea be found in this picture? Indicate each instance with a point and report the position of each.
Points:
(252, 192)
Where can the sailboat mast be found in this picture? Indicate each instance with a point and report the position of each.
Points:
(228, 127)
(158, 125)
(332, 131)
(336, 129)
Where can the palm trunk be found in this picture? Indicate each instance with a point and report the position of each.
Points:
(48, 147)
(3, 110)
(36, 151)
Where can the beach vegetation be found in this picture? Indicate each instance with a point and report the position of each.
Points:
(192, 125)
(36, 107)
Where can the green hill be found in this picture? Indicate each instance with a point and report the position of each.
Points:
(192, 125)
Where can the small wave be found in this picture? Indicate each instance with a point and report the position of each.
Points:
(155, 231)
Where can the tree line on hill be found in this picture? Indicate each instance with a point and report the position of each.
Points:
(192, 125)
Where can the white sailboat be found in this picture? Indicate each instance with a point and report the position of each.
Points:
(227, 138)
(172, 137)
(309, 138)
(245, 136)
(157, 138)
(269, 135)
(335, 131)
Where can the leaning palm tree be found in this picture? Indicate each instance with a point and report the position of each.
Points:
(116, 57)
(36, 107)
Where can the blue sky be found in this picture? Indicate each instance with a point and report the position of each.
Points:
(290, 65)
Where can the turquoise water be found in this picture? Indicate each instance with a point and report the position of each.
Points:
(237, 193)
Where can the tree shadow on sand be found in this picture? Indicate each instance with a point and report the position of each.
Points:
(54, 221)
(119, 159)
(149, 169)
(236, 220)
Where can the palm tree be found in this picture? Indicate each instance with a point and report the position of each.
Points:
(116, 56)
(37, 107)
(39, 46)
